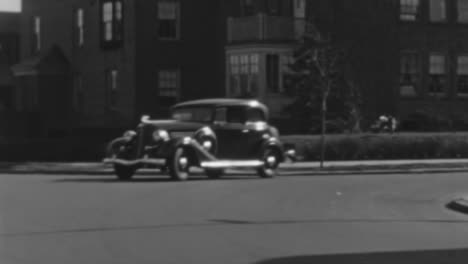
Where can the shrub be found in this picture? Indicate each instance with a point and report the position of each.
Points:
(383, 146)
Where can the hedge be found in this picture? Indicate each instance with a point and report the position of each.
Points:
(338, 147)
(382, 146)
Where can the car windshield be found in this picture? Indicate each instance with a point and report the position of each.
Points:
(193, 114)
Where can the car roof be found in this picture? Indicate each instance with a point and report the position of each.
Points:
(223, 102)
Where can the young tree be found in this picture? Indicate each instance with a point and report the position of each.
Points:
(318, 74)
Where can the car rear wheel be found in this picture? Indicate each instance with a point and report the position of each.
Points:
(124, 173)
(179, 165)
(271, 161)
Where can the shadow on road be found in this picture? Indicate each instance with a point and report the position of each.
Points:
(148, 179)
(450, 256)
(228, 222)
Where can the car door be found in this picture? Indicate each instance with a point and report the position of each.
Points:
(231, 132)
(257, 130)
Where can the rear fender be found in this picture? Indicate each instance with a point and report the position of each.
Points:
(275, 144)
(206, 134)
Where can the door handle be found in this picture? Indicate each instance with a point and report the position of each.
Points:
(245, 131)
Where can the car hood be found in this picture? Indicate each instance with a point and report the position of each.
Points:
(175, 125)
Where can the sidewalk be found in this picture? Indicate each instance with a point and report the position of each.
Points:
(330, 167)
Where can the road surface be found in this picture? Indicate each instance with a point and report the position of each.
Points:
(392, 218)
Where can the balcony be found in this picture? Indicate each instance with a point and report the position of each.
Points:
(264, 28)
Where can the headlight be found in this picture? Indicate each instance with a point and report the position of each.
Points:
(159, 135)
(129, 134)
(207, 144)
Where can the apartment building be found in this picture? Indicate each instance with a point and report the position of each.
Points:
(103, 63)
(263, 35)
(261, 39)
(9, 41)
(433, 43)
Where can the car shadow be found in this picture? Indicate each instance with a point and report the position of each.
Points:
(158, 178)
(449, 256)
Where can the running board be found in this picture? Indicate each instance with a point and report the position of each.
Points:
(223, 164)
(145, 161)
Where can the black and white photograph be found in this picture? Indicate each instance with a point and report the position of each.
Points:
(233, 131)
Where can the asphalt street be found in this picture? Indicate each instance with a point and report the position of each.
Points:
(381, 218)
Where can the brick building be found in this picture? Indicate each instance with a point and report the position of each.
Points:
(433, 43)
(409, 57)
(103, 63)
(9, 42)
(261, 39)
(262, 36)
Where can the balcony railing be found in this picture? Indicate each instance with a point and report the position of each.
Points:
(264, 28)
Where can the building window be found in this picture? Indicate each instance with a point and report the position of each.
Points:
(409, 10)
(278, 73)
(272, 72)
(168, 83)
(462, 11)
(79, 24)
(437, 78)
(168, 19)
(462, 75)
(78, 92)
(36, 43)
(286, 81)
(243, 75)
(409, 73)
(437, 10)
(274, 7)
(247, 7)
(112, 79)
(111, 23)
(299, 9)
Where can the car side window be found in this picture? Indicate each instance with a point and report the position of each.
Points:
(236, 115)
(255, 115)
(220, 115)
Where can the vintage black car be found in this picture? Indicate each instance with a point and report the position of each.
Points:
(212, 134)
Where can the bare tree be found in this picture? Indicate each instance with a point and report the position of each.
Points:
(319, 70)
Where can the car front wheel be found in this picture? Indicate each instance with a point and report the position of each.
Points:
(270, 165)
(117, 149)
(179, 165)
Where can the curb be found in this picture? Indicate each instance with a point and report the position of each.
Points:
(291, 169)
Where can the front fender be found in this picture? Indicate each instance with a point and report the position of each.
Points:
(118, 146)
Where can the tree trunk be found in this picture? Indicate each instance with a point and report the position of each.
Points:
(324, 128)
